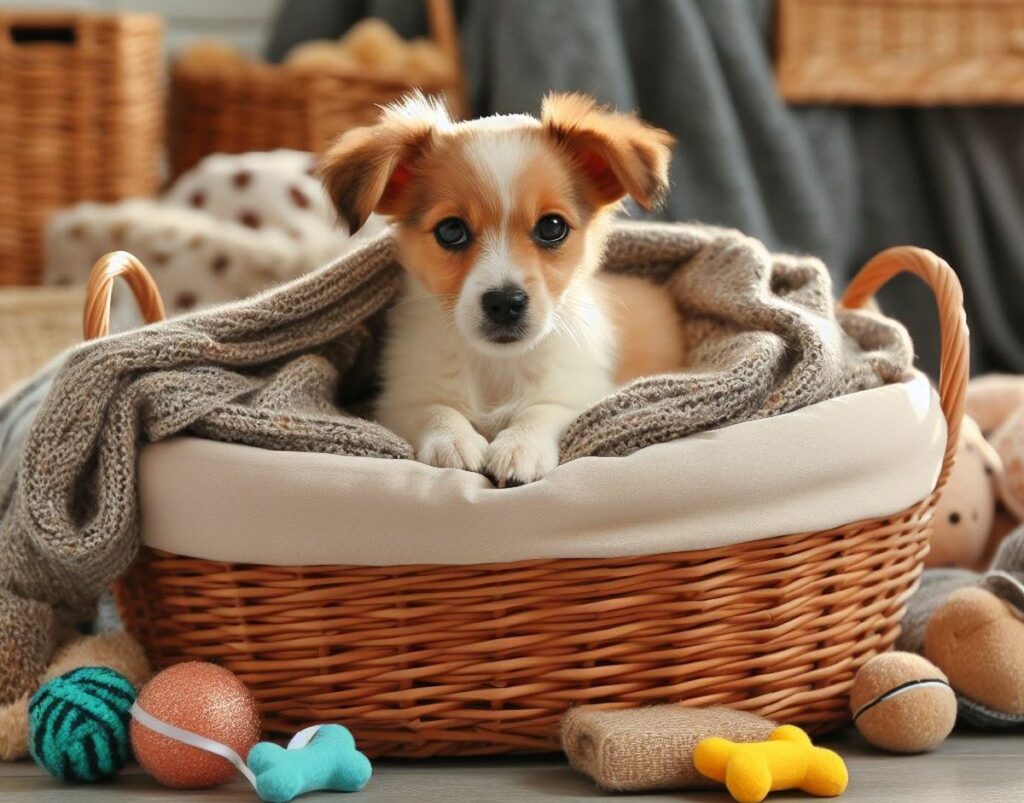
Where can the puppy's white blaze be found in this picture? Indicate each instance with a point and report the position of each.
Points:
(501, 157)
(492, 270)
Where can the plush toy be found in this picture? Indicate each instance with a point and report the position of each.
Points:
(966, 510)
(984, 497)
(979, 639)
(183, 714)
(967, 615)
(903, 703)
(971, 626)
(996, 402)
(78, 724)
(115, 650)
(318, 758)
(787, 760)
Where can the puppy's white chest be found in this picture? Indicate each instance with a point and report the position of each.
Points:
(493, 390)
(428, 362)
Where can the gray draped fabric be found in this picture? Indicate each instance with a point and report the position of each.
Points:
(836, 182)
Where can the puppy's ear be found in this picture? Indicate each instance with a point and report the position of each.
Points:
(367, 169)
(619, 153)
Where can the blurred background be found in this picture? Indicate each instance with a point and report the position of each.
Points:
(830, 127)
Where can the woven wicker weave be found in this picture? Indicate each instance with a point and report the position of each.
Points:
(444, 660)
(905, 52)
(267, 107)
(81, 118)
(36, 324)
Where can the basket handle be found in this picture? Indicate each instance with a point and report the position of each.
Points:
(445, 33)
(98, 291)
(954, 361)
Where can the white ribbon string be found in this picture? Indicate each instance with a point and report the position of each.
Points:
(193, 740)
(303, 737)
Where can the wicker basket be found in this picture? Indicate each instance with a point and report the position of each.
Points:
(81, 118)
(36, 324)
(905, 52)
(442, 660)
(269, 107)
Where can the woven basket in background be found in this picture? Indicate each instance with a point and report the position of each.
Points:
(266, 106)
(81, 118)
(901, 52)
(36, 324)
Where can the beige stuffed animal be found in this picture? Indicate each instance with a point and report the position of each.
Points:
(984, 497)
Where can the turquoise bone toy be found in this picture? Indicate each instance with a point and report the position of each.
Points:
(329, 761)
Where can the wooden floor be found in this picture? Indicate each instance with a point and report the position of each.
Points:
(968, 768)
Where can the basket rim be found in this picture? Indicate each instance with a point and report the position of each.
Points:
(853, 457)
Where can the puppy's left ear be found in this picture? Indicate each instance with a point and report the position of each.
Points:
(619, 154)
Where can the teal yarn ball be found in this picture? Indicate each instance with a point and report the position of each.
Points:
(78, 724)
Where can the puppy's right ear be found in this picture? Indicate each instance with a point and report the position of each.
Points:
(367, 169)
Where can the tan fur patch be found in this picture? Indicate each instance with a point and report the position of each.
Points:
(447, 183)
(500, 176)
(620, 153)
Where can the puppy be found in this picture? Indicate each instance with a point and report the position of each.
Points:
(504, 333)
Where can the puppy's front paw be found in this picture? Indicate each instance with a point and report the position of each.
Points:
(514, 458)
(447, 449)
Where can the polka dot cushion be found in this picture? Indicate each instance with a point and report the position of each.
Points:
(273, 189)
(231, 227)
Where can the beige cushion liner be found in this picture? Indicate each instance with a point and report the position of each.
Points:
(867, 454)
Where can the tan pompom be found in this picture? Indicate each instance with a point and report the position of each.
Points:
(320, 55)
(115, 650)
(902, 702)
(14, 729)
(213, 55)
(375, 45)
(425, 63)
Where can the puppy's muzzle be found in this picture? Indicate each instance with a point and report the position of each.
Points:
(505, 313)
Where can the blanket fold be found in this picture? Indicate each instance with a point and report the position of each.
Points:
(763, 337)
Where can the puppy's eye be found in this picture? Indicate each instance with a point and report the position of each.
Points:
(451, 233)
(551, 230)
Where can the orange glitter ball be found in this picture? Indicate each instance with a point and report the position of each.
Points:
(203, 698)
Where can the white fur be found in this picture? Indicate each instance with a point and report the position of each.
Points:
(503, 415)
(469, 403)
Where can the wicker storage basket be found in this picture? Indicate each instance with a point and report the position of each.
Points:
(81, 118)
(901, 52)
(271, 107)
(36, 324)
(431, 660)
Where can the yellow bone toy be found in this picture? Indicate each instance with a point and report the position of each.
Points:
(787, 760)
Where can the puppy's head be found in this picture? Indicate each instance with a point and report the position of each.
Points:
(498, 216)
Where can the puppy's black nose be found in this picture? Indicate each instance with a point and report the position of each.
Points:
(505, 306)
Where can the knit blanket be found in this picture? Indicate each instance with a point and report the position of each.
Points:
(286, 369)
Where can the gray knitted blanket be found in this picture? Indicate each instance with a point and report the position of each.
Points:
(286, 369)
